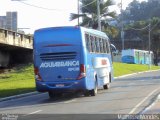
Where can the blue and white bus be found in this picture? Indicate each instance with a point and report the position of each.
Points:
(71, 59)
(137, 56)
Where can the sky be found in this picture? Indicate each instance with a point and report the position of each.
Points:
(57, 13)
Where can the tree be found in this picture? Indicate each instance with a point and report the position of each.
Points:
(155, 37)
(89, 15)
(139, 15)
(138, 11)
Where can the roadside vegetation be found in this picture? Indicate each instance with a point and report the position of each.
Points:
(17, 81)
(21, 79)
(123, 69)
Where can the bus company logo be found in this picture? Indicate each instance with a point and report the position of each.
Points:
(104, 62)
(59, 64)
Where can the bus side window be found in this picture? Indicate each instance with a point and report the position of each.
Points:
(97, 45)
(88, 42)
(104, 45)
(107, 46)
(101, 45)
(92, 43)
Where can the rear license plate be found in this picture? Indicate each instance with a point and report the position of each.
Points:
(60, 85)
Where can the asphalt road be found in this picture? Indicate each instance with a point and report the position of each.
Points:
(127, 95)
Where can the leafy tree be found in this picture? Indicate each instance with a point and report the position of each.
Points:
(89, 15)
(139, 15)
(142, 10)
(155, 37)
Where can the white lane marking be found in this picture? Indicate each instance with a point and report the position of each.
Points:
(69, 101)
(134, 109)
(33, 112)
(158, 98)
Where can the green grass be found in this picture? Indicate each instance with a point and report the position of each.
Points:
(122, 68)
(21, 79)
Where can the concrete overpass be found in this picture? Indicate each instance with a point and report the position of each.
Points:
(15, 47)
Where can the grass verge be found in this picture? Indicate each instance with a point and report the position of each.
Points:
(17, 81)
(123, 69)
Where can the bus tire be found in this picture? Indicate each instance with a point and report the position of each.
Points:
(51, 94)
(94, 91)
(86, 93)
(107, 86)
(54, 95)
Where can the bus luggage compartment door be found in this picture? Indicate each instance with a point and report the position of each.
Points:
(102, 68)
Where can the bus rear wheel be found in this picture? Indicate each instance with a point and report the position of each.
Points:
(94, 91)
(107, 86)
(54, 95)
(86, 93)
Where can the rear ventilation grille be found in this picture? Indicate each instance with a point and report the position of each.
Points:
(58, 56)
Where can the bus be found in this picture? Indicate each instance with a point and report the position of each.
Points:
(137, 56)
(71, 59)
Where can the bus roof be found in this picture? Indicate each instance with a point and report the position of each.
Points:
(74, 27)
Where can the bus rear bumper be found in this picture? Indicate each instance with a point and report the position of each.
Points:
(72, 86)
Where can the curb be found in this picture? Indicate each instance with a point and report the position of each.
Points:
(135, 73)
(151, 105)
(18, 96)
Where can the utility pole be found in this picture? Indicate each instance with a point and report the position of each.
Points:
(98, 15)
(149, 45)
(122, 28)
(78, 10)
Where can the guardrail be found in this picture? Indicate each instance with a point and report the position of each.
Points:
(16, 39)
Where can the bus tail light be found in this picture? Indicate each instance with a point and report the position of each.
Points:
(82, 73)
(37, 75)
